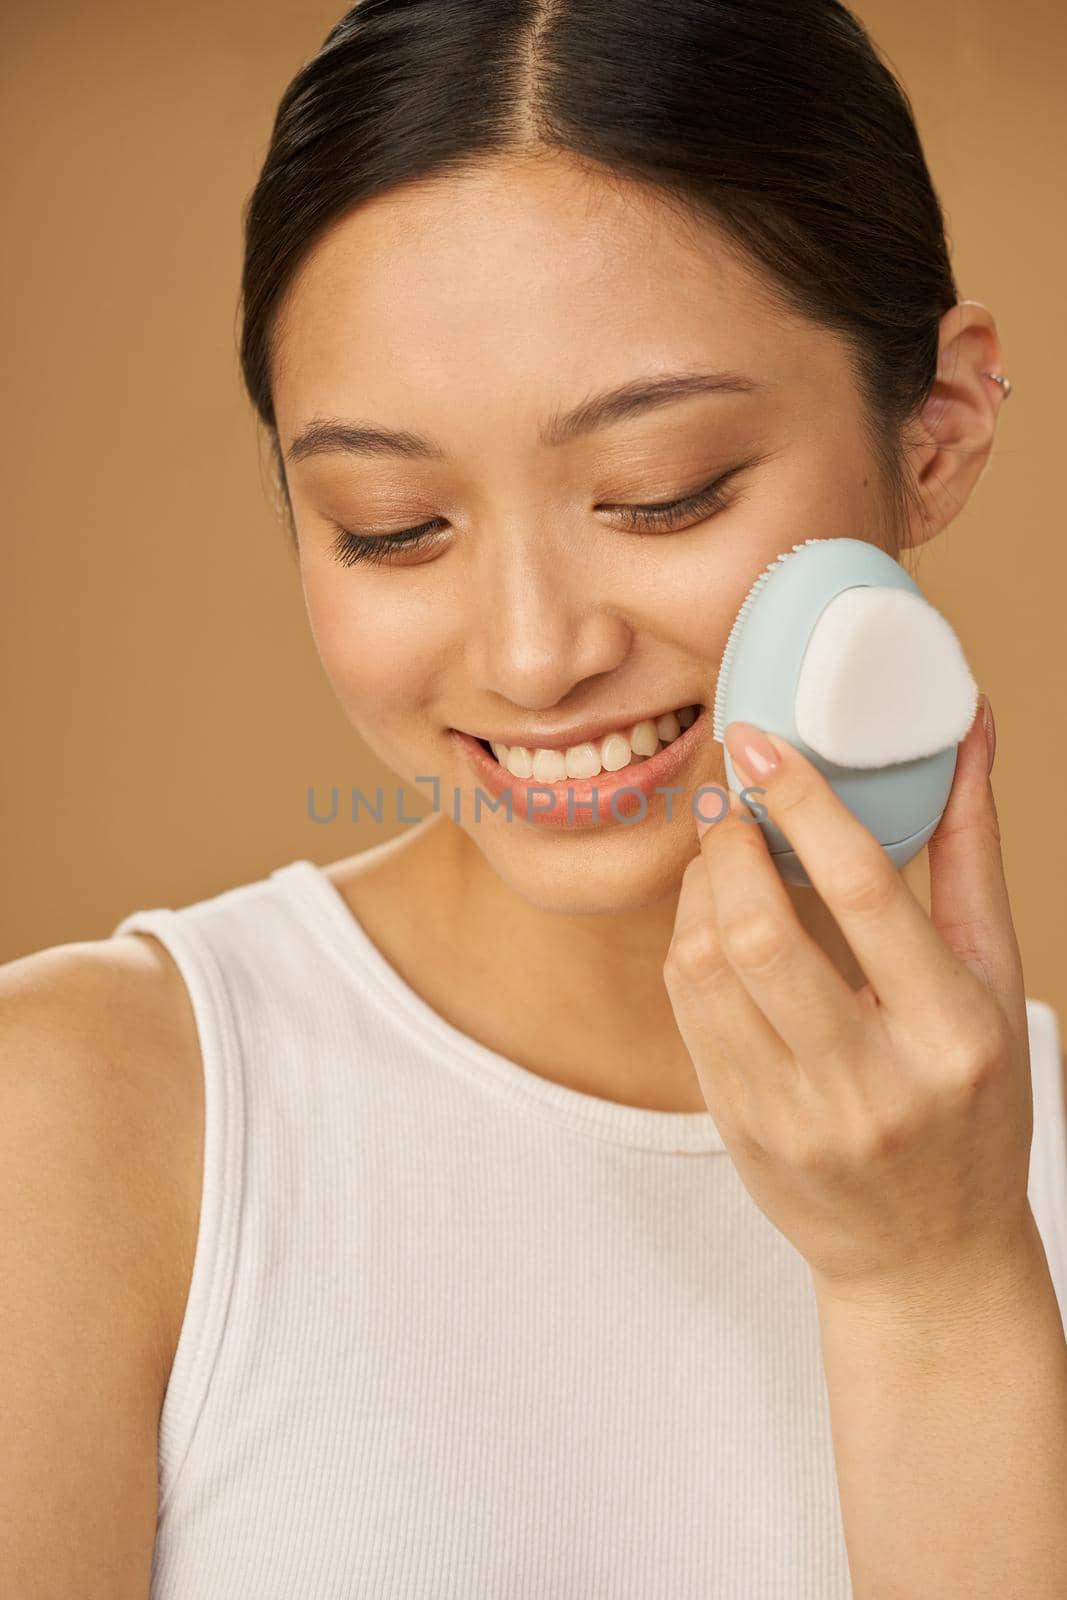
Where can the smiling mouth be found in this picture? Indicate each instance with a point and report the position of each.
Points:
(624, 747)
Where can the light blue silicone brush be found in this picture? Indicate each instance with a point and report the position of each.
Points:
(836, 649)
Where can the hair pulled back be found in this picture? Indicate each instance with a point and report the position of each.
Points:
(775, 120)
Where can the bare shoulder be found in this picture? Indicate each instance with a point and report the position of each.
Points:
(101, 1151)
(99, 1043)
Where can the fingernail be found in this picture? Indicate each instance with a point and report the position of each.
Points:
(990, 730)
(750, 749)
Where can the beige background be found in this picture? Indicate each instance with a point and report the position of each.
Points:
(165, 710)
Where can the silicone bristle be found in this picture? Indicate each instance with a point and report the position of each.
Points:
(718, 725)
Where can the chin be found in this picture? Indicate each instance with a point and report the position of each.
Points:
(594, 872)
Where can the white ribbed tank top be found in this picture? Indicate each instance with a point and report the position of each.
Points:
(456, 1332)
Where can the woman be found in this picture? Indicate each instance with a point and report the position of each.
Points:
(537, 1204)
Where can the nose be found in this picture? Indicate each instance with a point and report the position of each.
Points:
(540, 626)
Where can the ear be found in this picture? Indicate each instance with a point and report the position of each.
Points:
(955, 430)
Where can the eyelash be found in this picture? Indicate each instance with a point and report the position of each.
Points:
(349, 547)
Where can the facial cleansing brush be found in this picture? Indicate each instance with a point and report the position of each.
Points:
(836, 649)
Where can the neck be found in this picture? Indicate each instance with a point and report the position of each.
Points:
(579, 999)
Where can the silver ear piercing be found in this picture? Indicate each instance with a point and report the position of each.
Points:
(998, 377)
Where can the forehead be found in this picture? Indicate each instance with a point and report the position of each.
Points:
(515, 282)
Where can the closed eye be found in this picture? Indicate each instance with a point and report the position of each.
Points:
(349, 546)
(669, 513)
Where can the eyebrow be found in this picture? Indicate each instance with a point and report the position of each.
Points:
(327, 435)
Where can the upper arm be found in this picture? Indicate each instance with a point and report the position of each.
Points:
(94, 1248)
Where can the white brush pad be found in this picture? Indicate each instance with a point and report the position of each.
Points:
(884, 679)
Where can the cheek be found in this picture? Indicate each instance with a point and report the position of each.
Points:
(374, 644)
(834, 492)
(691, 592)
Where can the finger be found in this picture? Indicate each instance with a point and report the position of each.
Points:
(969, 903)
(785, 972)
(729, 1039)
(903, 955)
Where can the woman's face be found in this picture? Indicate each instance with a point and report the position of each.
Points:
(476, 313)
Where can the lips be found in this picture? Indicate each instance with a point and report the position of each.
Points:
(547, 804)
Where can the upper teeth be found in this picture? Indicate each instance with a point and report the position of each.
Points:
(614, 751)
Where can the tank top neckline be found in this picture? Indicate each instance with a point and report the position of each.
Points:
(312, 892)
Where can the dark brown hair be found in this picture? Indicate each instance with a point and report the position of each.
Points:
(776, 120)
